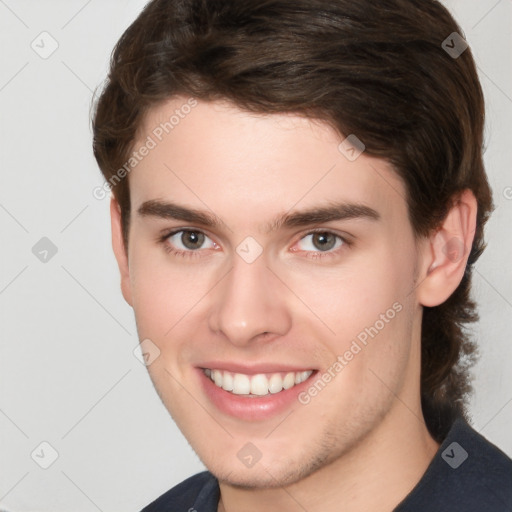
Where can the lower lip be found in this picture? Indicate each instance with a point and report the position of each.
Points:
(252, 408)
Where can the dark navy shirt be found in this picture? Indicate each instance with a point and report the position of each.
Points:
(467, 474)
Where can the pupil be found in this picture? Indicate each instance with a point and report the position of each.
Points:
(192, 239)
(324, 241)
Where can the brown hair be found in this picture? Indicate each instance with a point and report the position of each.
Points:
(374, 69)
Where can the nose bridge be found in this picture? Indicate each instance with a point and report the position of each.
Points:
(249, 302)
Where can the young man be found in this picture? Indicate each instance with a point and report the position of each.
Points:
(299, 198)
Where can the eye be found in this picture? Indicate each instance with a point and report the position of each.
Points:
(321, 242)
(187, 241)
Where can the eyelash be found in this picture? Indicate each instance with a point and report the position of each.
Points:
(310, 254)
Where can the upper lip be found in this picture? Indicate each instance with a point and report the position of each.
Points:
(253, 369)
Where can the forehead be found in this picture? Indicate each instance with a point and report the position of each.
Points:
(214, 156)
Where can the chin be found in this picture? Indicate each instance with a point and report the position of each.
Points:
(256, 478)
(267, 474)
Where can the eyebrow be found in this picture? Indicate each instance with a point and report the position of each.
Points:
(333, 211)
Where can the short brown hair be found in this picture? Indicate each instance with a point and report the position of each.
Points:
(374, 69)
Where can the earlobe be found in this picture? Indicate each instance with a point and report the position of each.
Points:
(447, 251)
(120, 251)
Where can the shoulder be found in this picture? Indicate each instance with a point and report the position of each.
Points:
(468, 473)
(198, 490)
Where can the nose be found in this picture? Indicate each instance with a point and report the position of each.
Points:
(249, 303)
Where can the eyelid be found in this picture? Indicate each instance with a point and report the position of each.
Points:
(164, 237)
(346, 239)
(167, 233)
(343, 235)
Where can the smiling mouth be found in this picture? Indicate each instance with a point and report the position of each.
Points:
(260, 384)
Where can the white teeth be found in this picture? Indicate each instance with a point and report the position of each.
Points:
(289, 381)
(227, 381)
(301, 377)
(275, 384)
(241, 384)
(259, 384)
(217, 377)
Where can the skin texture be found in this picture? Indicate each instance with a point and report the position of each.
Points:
(362, 440)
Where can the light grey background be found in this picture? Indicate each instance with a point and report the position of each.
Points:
(68, 375)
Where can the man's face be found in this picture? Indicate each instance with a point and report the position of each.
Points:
(265, 291)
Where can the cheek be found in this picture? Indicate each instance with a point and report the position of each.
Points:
(351, 297)
(163, 293)
(367, 306)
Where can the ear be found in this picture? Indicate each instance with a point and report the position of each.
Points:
(446, 252)
(120, 251)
